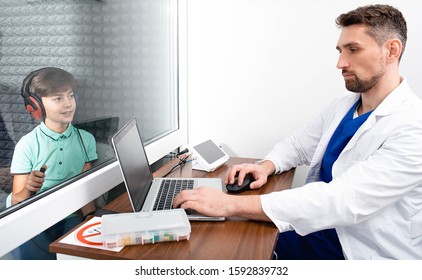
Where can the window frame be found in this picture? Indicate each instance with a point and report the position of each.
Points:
(62, 202)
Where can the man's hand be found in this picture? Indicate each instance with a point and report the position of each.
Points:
(215, 203)
(208, 201)
(260, 173)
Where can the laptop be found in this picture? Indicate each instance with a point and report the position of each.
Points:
(145, 192)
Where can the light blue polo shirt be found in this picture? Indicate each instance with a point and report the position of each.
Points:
(64, 154)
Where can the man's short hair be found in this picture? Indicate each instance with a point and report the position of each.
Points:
(384, 22)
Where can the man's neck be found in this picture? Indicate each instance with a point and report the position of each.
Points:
(372, 98)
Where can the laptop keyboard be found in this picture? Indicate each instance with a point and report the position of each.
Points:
(168, 190)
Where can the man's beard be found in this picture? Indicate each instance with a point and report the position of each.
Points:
(357, 85)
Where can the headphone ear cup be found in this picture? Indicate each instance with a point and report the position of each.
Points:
(33, 104)
(35, 107)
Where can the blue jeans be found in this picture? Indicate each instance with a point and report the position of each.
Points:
(37, 248)
(320, 245)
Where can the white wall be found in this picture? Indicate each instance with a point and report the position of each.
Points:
(259, 69)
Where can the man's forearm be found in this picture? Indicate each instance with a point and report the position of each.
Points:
(268, 166)
(247, 206)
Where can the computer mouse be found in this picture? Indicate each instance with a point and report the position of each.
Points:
(235, 188)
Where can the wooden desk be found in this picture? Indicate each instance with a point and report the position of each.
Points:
(231, 239)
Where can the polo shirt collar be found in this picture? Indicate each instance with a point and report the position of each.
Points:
(54, 135)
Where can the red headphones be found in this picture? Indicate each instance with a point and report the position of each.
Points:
(32, 101)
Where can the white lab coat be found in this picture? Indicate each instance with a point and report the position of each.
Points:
(375, 198)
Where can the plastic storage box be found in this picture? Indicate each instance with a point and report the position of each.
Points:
(145, 227)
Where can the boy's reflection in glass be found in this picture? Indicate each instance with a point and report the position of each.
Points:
(52, 153)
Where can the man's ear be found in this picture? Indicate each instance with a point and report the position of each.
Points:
(394, 50)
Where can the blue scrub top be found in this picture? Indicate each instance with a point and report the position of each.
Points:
(344, 132)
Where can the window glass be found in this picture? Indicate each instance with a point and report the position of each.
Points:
(122, 54)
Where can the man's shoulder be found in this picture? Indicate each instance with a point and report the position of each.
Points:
(415, 102)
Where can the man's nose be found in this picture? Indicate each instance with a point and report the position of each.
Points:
(342, 62)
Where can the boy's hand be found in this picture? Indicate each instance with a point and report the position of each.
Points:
(35, 180)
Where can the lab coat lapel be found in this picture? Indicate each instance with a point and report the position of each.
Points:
(368, 124)
(336, 117)
(326, 137)
(384, 109)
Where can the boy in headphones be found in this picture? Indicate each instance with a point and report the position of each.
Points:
(52, 152)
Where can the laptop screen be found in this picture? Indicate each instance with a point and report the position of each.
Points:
(134, 164)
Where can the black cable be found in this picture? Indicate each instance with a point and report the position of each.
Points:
(181, 162)
(183, 152)
(82, 142)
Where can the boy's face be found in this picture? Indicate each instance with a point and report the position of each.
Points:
(59, 108)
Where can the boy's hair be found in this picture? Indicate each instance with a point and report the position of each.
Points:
(51, 80)
(384, 22)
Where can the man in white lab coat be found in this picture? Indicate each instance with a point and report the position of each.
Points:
(364, 188)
